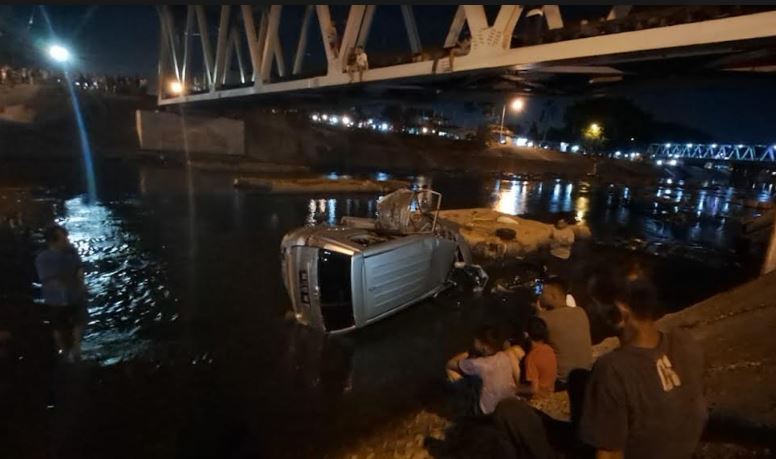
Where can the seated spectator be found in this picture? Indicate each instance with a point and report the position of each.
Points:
(524, 428)
(362, 62)
(357, 62)
(645, 399)
(541, 365)
(492, 364)
(332, 36)
(461, 48)
(569, 329)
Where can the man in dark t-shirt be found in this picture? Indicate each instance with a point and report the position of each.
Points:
(645, 399)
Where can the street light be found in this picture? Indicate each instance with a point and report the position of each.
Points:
(59, 53)
(595, 129)
(516, 105)
(176, 87)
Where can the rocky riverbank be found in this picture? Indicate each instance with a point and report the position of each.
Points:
(735, 329)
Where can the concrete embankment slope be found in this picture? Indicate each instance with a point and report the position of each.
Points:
(738, 332)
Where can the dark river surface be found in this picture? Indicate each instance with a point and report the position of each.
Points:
(189, 352)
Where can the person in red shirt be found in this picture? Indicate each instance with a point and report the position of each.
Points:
(541, 364)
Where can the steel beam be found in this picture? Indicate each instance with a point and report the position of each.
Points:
(553, 17)
(459, 20)
(349, 36)
(366, 25)
(619, 12)
(186, 47)
(273, 22)
(277, 50)
(205, 38)
(412, 28)
(169, 25)
(301, 47)
(253, 41)
(223, 30)
(505, 24)
(232, 49)
(164, 54)
(240, 61)
(324, 21)
(476, 18)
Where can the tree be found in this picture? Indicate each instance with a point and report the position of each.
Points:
(593, 136)
(623, 120)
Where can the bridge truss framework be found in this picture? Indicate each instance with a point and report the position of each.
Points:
(491, 45)
(719, 152)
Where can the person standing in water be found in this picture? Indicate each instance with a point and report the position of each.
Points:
(61, 273)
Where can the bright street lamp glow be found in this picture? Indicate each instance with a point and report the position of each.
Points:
(59, 53)
(517, 105)
(176, 87)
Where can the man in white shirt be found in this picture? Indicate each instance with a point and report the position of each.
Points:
(361, 63)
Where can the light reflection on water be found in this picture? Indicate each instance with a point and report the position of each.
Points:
(669, 212)
(127, 286)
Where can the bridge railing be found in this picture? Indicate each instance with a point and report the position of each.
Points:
(717, 152)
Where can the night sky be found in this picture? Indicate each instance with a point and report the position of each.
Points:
(124, 40)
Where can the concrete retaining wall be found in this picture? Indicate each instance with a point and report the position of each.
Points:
(164, 131)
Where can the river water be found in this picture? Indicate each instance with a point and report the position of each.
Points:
(189, 341)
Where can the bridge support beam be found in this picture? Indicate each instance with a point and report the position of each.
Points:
(252, 39)
(619, 12)
(169, 31)
(324, 21)
(223, 29)
(412, 28)
(366, 25)
(185, 71)
(350, 35)
(205, 39)
(455, 27)
(301, 47)
(271, 43)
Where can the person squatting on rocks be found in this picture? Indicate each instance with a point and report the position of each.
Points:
(541, 364)
(642, 400)
(494, 363)
(61, 273)
(569, 329)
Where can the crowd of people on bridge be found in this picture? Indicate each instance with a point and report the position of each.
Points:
(642, 400)
(11, 76)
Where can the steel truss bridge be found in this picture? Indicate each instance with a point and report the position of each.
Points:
(714, 152)
(549, 41)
